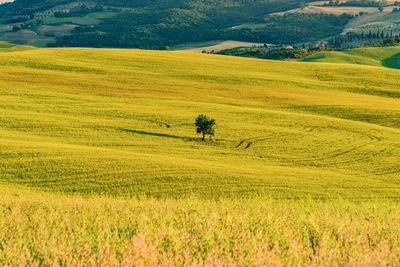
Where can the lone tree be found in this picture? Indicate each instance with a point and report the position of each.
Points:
(205, 126)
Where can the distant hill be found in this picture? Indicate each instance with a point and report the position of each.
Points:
(214, 46)
(159, 24)
(6, 44)
(374, 56)
(162, 24)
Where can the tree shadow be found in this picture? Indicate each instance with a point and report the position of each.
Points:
(185, 138)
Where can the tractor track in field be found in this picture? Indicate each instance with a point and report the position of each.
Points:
(340, 156)
(396, 170)
(247, 143)
(344, 152)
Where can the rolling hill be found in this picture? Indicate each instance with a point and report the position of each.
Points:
(373, 56)
(100, 163)
(120, 122)
(214, 46)
(6, 44)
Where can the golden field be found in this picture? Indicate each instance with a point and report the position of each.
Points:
(100, 163)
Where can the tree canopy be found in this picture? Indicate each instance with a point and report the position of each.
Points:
(205, 126)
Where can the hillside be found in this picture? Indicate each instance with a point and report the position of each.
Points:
(100, 163)
(214, 46)
(374, 56)
(160, 24)
(120, 122)
(5, 44)
(372, 22)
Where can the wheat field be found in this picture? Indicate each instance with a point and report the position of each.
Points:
(100, 163)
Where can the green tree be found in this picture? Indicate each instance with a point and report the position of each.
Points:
(205, 126)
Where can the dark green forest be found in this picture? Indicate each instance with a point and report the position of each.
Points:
(159, 24)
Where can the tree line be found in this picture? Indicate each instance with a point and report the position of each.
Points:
(353, 39)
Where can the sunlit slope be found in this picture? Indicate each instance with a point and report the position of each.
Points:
(120, 122)
(372, 56)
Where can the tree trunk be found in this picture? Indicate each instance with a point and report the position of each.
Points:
(204, 136)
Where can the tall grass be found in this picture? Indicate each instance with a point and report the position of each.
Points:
(55, 230)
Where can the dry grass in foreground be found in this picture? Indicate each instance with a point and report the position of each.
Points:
(56, 230)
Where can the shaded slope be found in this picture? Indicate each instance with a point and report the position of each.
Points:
(392, 62)
(375, 56)
(6, 44)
